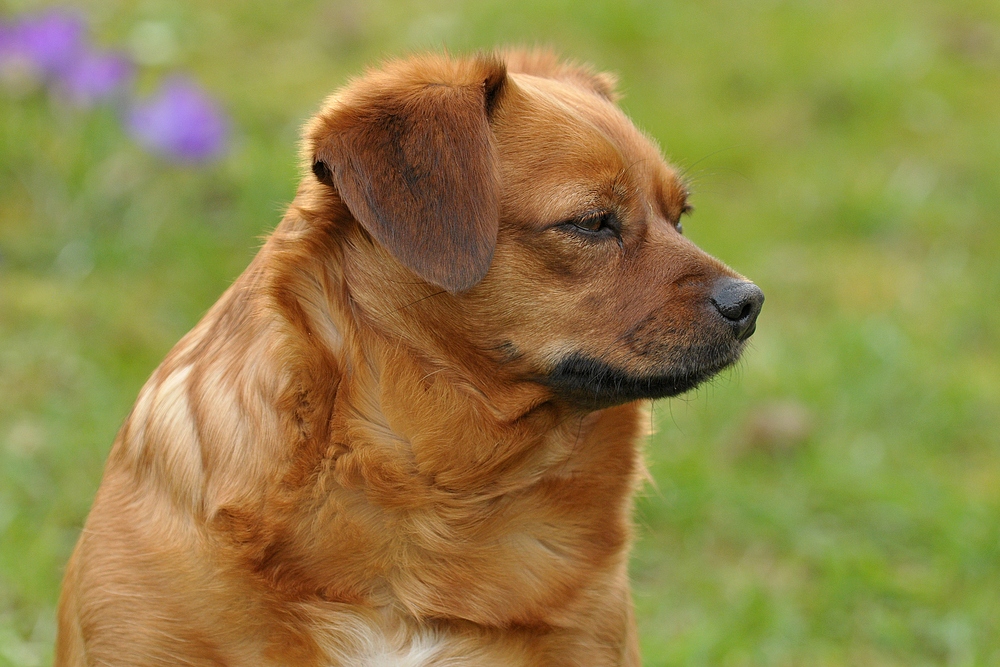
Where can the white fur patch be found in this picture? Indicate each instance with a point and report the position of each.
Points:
(421, 651)
(356, 640)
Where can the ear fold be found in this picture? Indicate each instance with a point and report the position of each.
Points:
(410, 151)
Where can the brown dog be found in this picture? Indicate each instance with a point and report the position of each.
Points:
(408, 434)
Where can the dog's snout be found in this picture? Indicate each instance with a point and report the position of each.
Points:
(739, 303)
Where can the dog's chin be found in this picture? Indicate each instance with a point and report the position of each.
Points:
(594, 384)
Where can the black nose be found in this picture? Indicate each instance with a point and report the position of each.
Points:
(739, 302)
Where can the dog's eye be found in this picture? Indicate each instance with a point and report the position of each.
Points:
(602, 223)
(686, 210)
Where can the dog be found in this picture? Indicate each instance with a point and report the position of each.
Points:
(409, 433)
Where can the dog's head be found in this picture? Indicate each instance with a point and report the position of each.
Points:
(504, 209)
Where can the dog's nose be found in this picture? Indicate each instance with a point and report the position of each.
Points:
(739, 302)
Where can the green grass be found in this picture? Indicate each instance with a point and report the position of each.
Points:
(834, 501)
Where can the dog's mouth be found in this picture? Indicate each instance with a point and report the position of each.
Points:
(594, 384)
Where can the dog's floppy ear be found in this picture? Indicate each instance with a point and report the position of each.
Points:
(410, 151)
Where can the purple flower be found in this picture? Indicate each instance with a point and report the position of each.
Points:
(180, 121)
(8, 40)
(50, 41)
(96, 76)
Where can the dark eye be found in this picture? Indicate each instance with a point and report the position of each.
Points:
(687, 210)
(596, 224)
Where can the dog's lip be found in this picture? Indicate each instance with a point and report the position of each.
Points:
(595, 384)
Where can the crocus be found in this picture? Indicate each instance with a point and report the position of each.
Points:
(8, 39)
(180, 121)
(51, 41)
(95, 76)
(10, 50)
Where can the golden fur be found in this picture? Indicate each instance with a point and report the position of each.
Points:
(381, 446)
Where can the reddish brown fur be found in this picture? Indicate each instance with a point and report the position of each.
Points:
(355, 456)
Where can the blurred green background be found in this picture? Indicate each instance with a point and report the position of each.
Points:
(833, 501)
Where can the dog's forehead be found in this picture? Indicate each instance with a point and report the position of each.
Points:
(568, 103)
(558, 134)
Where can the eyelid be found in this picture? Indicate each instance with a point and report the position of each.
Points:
(602, 217)
(608, 219)
(609, 227)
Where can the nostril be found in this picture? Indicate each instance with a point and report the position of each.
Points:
(739, 302)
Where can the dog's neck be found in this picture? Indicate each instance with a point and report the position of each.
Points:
(412, 404)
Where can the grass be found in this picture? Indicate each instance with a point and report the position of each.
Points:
(834, 501)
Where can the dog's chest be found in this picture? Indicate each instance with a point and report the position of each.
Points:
(420, 650)
(383, 641)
